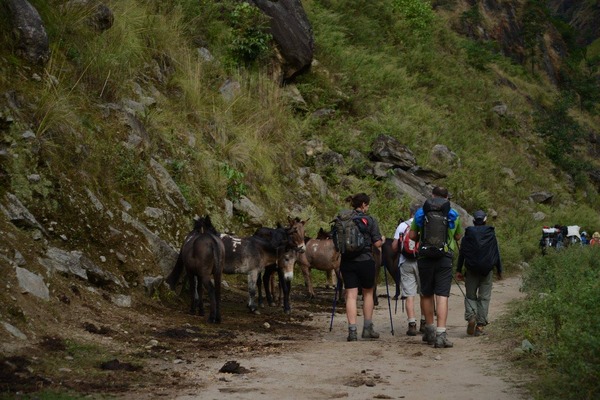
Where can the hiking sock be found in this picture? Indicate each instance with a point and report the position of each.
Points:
(439, 330)
(352, 327)
(368, 323)
(411, 320)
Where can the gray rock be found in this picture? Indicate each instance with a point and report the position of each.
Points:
(205, 54)
(291, 30)
(539, 216)
(229, 89)
(168, 184)
(14, 331)
(246, 206)
(152, 283)
(441, 154)
(121, 300)
(541, 197)
(19, 215)
(28, 28)
(164, 254)
(389, 150)
(97, 204)
(32, 283)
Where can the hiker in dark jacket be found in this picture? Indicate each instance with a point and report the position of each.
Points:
(479, 253)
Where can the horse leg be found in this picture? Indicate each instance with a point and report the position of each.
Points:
(267, 284)
(252, 278)
(259, 285)
(200, 287)
(210, 288)
(193, 294)
(279, 291)
(217, 282)
(308, 281)
(285, 286)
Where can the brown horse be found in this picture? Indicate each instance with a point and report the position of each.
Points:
(320, 254)
(202, 256)
(250, 255)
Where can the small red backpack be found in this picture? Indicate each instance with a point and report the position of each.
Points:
(409, 247)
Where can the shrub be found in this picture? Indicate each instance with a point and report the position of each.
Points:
(558, 317)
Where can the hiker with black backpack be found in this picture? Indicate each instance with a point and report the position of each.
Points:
(409, 272)
(479, 252)
(436, 226)
(358, 265)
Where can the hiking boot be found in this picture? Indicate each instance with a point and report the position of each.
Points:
(412, 329)
(479, 330)
(352, 336)
(429, 334)
(422, 326)
(369, 333)
(471, 325)
(441, 341)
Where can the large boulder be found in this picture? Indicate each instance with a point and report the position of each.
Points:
(291, 30)
(389, 150)
(29, 31)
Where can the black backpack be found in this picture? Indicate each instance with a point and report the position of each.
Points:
(347, 231)
(434, 235)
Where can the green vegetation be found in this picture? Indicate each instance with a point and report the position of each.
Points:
(558, 319)
(391, 67)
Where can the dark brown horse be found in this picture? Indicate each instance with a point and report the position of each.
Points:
(388, 259)
(202, 256)
(250, 255)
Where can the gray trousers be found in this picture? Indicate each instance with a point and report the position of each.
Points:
(478, 295)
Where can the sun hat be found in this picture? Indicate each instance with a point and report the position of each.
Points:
(596, 235)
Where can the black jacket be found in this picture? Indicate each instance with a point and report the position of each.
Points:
(479, 250)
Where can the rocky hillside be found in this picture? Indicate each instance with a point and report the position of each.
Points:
(122, 120)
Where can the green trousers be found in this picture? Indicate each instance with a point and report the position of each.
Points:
(478, 295)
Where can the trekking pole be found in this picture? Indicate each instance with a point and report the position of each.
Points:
(337, 289)
(388, 298)
(464, 295)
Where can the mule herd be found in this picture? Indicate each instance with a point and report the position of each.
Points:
(206, 254)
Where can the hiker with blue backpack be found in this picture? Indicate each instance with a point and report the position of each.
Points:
(409, 271)
(436, 226)
(479, 252)
(357, 263)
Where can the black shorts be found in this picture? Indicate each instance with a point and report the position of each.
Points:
(358, 274)
(435, 275)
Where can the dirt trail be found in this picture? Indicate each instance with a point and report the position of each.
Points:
(325, 366)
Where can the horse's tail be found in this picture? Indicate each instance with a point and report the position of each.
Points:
(175, 273)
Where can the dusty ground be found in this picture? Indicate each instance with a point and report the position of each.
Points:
(160, 351)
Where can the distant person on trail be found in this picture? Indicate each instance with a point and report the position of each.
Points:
(409, 271)
(479, 253)
(595, 241)
(584, 238)
(359, 270)
(437, 228)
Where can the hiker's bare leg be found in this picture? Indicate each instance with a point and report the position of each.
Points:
(410, 307)
(427, 306)
(368, 304)
(351, 298)
(442, 311)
